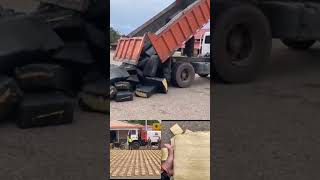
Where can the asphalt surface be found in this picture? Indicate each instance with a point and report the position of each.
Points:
(73, 151)
(166, 134)
(191, 103)
(269, 128)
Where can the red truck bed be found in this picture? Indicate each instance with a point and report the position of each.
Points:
(170, 37)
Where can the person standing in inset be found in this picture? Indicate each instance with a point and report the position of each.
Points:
(149, 143)
(130, 142)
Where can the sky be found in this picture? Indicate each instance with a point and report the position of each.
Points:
(127, 15)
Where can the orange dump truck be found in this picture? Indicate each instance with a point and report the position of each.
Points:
(162, 35)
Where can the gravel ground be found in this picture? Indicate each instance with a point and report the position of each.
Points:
(166, 134)
(269, 128)
(135, 163)
(73, 151)
(180, 103)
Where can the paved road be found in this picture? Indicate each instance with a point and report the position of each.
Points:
(269, 129)
(183, 104)
(73, 151)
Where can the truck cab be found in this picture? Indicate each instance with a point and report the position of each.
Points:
(205, 45)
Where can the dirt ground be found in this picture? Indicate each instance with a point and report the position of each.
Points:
(142, 164)
(269, 128)
(73, 151)
(191, 103)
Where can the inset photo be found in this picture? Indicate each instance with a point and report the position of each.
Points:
(160, 59)
(135, 151)
(185, 148)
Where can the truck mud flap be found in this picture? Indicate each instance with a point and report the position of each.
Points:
(45, 109)
(94, 103)
(36, 77)
(146, 91)
(122, 85)
(10, 96)
(160, 83)
(118, 74)
(151, 67)
(122, 96)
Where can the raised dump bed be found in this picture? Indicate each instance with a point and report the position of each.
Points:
(168, 38)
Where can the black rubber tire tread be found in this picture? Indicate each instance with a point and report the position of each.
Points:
(261, 37)
(178, 67)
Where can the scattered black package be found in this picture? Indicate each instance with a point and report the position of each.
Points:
(160, 83)
(10, 96)
(45, 109)
(122, 85)
(118, 74)
(146, 91)
(98, 87)
(151, 66)
(95, 103)
(122, 96)
(113, 92)
(33, 77)
(131, 69)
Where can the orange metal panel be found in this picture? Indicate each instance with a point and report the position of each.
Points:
(129, 49)
(181, 29)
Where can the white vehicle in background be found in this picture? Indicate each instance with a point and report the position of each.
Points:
(205, 45)
(140, 137)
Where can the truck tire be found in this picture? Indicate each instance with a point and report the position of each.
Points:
(135, 145)
(298, 44)
(242, 43)
(182, 74)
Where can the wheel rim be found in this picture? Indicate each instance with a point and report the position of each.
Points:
(184, 75)
(239, 44)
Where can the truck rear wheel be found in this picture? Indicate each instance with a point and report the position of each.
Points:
(298, 44)
(242, 43)
(182, 74)
(135, 145)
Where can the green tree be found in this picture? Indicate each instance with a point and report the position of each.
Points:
(114, 35)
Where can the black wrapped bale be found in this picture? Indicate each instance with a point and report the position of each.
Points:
(45, 109)
(124, 96)
(39, 77)
(146, 91)
(10, 96)
(131, 69)
(160, 83)
(122, 85)
(95, 103)
(98, 87)
(118, 74)
(113, 92)
(151, 66)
